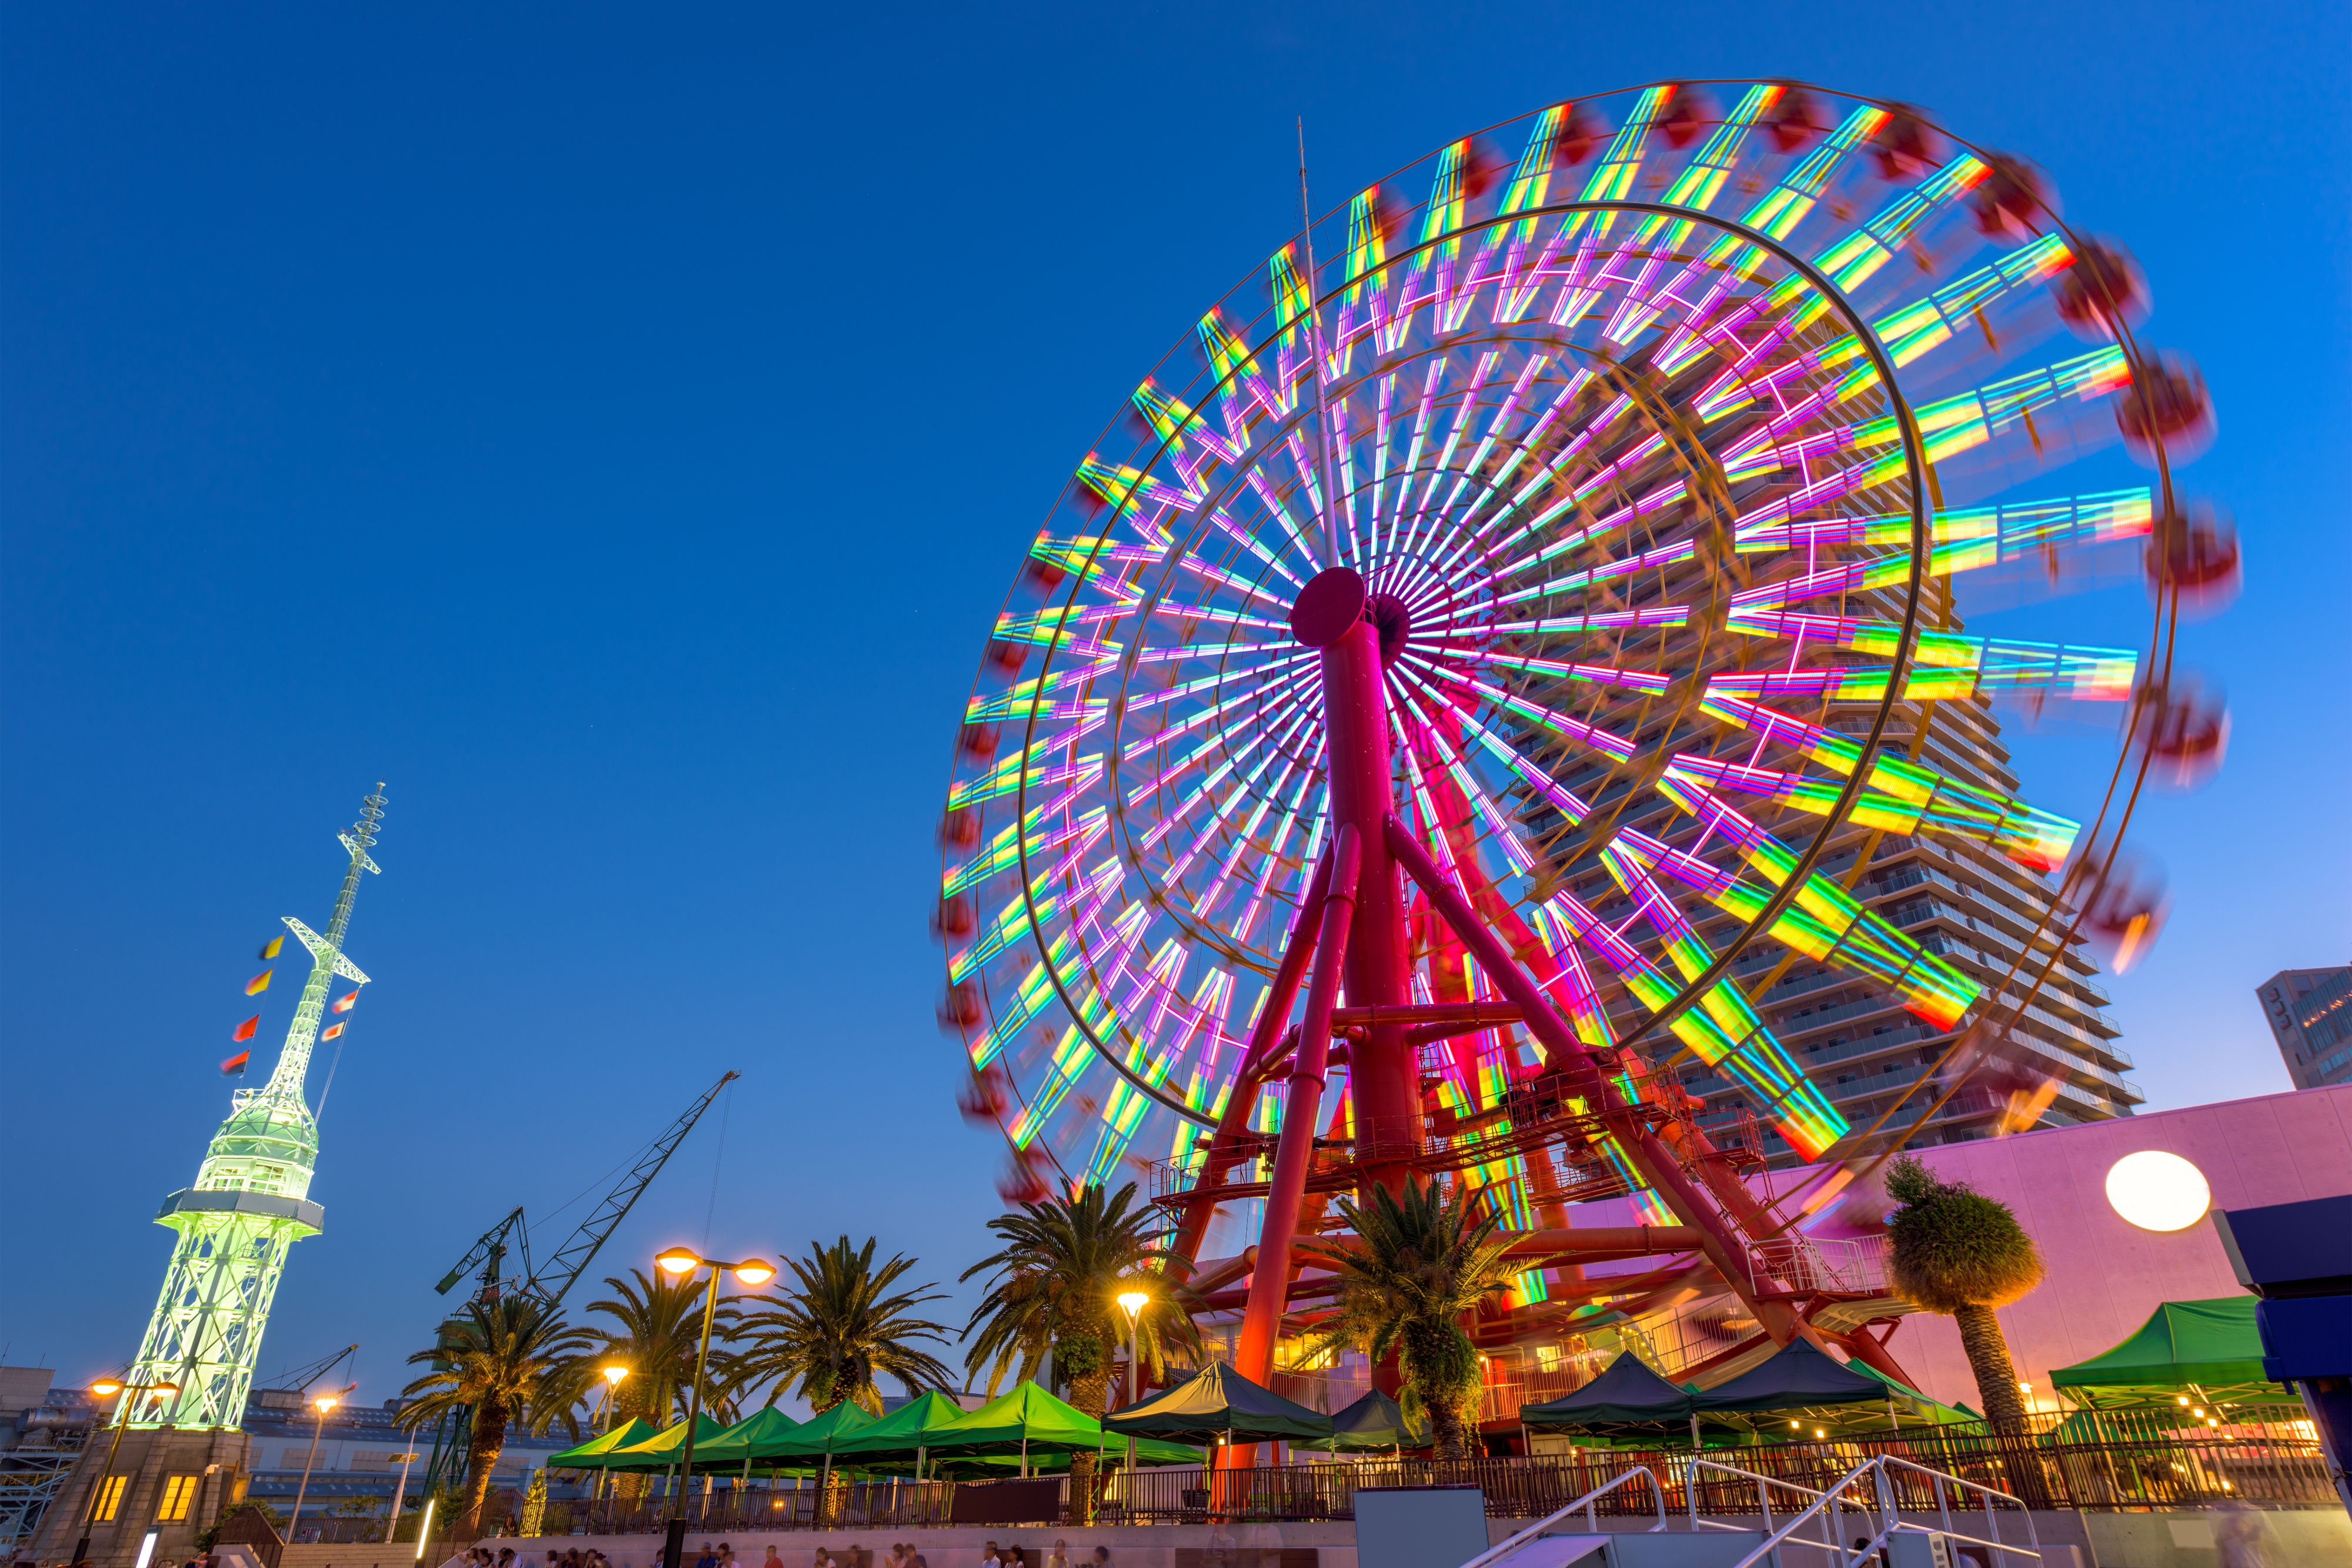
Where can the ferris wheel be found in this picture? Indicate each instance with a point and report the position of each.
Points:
(1569, 525)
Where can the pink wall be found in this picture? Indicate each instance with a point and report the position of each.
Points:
(2106, 1276)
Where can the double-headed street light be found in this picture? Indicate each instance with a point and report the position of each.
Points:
(678, 1262)
(105, 1387)
(323, 1404)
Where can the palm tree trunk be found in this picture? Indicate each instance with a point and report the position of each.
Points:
(1088, 1394)
(489, 1442)
(1988, 1353)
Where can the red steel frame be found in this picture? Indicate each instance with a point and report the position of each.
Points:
(1352, 923)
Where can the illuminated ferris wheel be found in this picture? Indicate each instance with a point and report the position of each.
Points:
(1617, 464)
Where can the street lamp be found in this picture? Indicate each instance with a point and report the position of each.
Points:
(105, 1387)
(399, 1491)
(1133, 1302)
(678, 1262)
(612, 1373)
(323, 1404)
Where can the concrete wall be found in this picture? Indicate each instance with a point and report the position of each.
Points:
(2303, 1538)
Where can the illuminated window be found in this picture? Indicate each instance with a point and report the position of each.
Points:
(1548, 1358)
(179, 1493)
(110, 1498)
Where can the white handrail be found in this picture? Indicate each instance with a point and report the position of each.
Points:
(1657, 1493)
(1893, 1523)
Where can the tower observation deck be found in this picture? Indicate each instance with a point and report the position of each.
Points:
(250, 1201)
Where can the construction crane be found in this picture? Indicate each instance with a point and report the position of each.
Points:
(485, 1261)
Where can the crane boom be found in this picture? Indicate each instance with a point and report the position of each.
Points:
(490, 1249)
(568, 1261)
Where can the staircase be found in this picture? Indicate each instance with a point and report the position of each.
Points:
(1856, 1523)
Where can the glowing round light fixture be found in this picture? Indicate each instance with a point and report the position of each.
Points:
(2157, 1191)
(755, 1272)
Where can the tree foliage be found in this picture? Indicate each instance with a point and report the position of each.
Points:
(1057, 1279)
(840, 1330)
(1955, 1251)
(657, 1334)
(1414, 1266)
(512, 1360)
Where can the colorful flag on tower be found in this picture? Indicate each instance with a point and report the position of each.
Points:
(235, 1066)
(245, 1030)
(270, 948)
(259, 983)
(343, 1004)
(332, 1031)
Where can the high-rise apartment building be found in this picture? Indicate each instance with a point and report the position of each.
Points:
(2310, 1015)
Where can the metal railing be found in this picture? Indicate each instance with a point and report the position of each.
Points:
(2015, 1473)
(1589, 1503)
(1881, 1507)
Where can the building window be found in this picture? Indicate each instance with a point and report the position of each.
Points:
(110, 1498)
(179, 1493)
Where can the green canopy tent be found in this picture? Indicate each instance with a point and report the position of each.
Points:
(591, 1455)
(808, 1449)
(906, 1433)
(1028, 1428)
(1806, 1386)
(2208, 1350)
(663, 1448)
(1627, 1403)
(1371, 1424)
(1217, 1401)
(735, 1447)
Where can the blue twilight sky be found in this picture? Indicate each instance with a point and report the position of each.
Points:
(615, 427)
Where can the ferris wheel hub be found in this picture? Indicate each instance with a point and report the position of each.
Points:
(1332, 601)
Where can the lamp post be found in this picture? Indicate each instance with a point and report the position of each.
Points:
(399, 1491)
(323, 1404)
(103, 1387)
(1133, 1302)
(678, 1262)
(612, 1373)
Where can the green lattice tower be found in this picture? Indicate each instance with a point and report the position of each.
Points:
(250, 1202)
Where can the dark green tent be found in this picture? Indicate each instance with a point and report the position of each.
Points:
(1372, 1424)
(2210, 1344)
(1801, 1376)
(1218, 1402)
(590, 1455)
(1627, 1400)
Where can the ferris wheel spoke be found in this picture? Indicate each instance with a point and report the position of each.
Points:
(1561, 669)
(1229, 750)
(1911, 792)
(1573, 730)
(1245, 839)
(1942, 658)
(1757, 1059)
(1004, 849)
(1206, 794)
(1301, 868)
(1533, 774)
(1827, 924)
(1978, 536)
(1286, 690)
(1027, 769)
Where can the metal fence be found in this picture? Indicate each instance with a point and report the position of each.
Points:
(2130, 1475)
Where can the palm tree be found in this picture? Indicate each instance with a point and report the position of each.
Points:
(840, 1331)
(1414, 1267)
(511, 1360)
(1063, 1263)
(1959, 1252)
(657, 1335)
